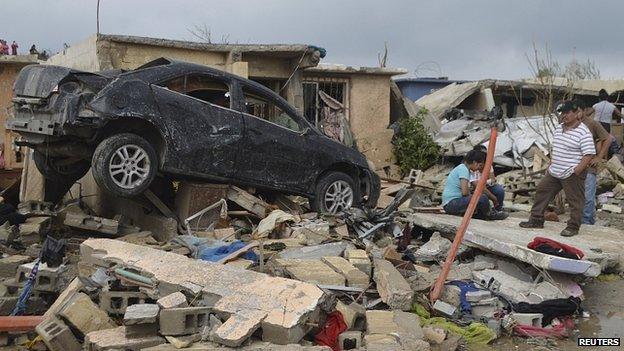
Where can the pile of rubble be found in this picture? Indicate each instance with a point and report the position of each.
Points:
(257, 275)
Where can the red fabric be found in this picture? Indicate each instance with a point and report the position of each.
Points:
(538, 240)
(560, 331)
(334, 326)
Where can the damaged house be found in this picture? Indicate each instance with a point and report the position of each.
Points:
(461, 109)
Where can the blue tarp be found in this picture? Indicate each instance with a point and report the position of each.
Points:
(212, 250)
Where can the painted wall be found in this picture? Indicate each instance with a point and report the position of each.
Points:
(369, 99)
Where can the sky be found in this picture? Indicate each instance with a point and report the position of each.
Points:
(461, 39)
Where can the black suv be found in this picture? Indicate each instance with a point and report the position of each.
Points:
(186, 121)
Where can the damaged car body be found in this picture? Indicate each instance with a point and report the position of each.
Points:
(186, 121)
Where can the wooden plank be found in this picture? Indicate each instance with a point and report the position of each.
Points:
(248, 201)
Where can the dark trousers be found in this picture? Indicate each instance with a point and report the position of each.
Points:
(498, 191)
(458, 206)
(574, 189)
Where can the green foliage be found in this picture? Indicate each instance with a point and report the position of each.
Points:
(413, 146)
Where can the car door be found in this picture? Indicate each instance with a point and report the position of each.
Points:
(205, 133)
(276, 149)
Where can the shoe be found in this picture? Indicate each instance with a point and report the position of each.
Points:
(568, 232)
(532, 223)
(497, 215)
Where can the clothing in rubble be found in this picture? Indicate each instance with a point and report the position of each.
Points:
(555, 248)
(464, 287)
(334, 326)
(551, 309)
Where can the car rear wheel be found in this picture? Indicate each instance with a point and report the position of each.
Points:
(124, 164)
(60, 169)
(335, 192)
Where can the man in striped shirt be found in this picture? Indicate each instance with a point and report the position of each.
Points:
(572, 151)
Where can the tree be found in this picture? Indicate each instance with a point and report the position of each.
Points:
(414, 148)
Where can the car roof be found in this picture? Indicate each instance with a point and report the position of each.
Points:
(155, 70)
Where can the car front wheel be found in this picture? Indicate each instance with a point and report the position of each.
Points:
(335, 192)
(124, 164)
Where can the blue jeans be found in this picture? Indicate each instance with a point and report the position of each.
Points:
(498, 191)
(458, 206)
(589, 211)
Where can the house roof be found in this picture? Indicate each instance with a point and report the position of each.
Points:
(338, 68)
(284, 50)
(20, 59)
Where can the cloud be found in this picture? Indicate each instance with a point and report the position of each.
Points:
(467, 39)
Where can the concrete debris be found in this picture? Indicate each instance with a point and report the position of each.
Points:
(514, 289)
(433, 250)
(434, 335)
(173, 300)
(354, 277)
(313, 271)
(316, 251)
(98, 224)
(393, 289)
(280, 307)
(82, 314)
(115, 339)
(599, 244)
(394, 329)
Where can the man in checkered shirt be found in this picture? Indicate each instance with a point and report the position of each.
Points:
(572, 151)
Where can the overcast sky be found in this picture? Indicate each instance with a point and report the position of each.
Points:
(462, 39)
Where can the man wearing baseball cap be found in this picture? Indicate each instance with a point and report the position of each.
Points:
(572, 151)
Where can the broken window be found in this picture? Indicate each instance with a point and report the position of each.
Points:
(334, 87)
(201, 87)
(269, 111)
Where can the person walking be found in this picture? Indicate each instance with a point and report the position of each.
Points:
(602, 141)
(605, 110)
(572, 151)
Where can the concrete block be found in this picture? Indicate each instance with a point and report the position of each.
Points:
(143, 313)
(355, 277)
(451, 295)
(8, 265)
(404, 325)
(351, 313)
(48, 279)
(350, 340)
(393, 289)
(116, 302)
(183, 321)
(533, 319)
(57, 336)
(175, 300)
(434, 335)
(476, 296)
(116, 339)
(141, 330)
(445, 309)
(84, 315)
(382, 342)
(486, 308)
(364, 265)
(236, 329)
(312, 271)
(316, 251)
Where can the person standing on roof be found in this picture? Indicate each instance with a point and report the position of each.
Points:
(572, 151)
(602, 141)
(14, 47)
(456, 195)
(33, 50)
(605, 111)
